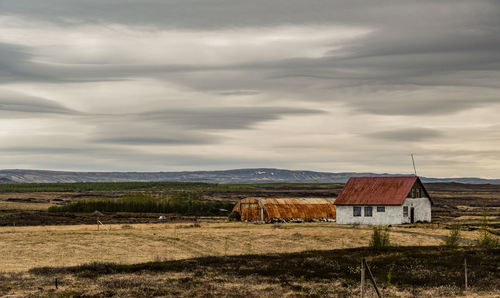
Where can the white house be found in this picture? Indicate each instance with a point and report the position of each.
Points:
(383, 201)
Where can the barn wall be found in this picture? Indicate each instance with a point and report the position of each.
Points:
(296, 211)
(392, 215)
(264, 209)
(422, 209)
(249, 209)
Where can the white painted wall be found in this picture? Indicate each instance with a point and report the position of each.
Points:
(422, 209)
(393, 214)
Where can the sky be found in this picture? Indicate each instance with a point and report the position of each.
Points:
(336, 86)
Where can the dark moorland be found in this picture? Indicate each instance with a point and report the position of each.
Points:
(400, 271)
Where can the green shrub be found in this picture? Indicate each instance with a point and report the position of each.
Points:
(380, 237)
(454, 237)
(486, 239)
(389, 276)
(185, 203)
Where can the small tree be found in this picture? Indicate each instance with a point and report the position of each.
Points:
(380, 237)
(454, 237)
(485, 237)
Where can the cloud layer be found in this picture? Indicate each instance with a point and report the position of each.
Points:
(189, 85)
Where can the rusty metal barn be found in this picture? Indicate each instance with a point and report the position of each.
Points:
(265, 209)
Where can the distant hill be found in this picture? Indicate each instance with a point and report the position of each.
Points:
(5, 180)
(261, 175)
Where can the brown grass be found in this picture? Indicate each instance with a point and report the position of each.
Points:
(4, 205)
(27, 247)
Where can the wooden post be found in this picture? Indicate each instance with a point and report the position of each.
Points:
(465, 272)
(372, 279)
(363, 278)
(56, 284)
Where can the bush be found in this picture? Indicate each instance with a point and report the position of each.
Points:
(454, 237)
(186, 203)
(380, 238)
(486, 239)
(234, 216)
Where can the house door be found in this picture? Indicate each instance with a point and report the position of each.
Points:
(412, 215)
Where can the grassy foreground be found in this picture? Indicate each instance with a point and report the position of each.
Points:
(399, 271)
(37, 246)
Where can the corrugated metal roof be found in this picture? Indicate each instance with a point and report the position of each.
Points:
(377, 190)
(263, 209)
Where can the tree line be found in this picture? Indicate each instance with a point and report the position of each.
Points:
(185, 203)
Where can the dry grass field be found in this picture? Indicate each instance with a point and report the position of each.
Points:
(26, 247)
(236, 260)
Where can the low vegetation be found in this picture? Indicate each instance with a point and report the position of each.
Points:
(486, 238)
(380, 238)
(453, 238)
(185, 203)
(415, 271)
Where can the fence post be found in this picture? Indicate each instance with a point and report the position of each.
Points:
(363, 278)
(465, 271)
(372, 279)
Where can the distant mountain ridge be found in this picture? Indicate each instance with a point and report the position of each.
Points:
(259, 175)
(5, 180)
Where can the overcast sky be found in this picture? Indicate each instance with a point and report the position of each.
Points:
(156, 85)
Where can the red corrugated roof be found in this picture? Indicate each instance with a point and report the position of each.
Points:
(377, 190)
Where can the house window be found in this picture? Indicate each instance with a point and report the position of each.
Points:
(380, 208)
(368, 211)
(356, 211)
(405, 211)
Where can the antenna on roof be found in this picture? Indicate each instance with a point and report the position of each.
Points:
(414, 168)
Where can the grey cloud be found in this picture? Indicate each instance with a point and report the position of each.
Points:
(105, 158)
(413, 107)
(407, 134)
(209, 14)
(223, 117)
(412, 43)
(239, 92)
(44, 149)
(186, 126)
(139, 140)
(12, 104)
(13, 60)
(226, 13)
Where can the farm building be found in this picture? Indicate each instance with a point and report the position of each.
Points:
(383, 201)
(266, 209)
